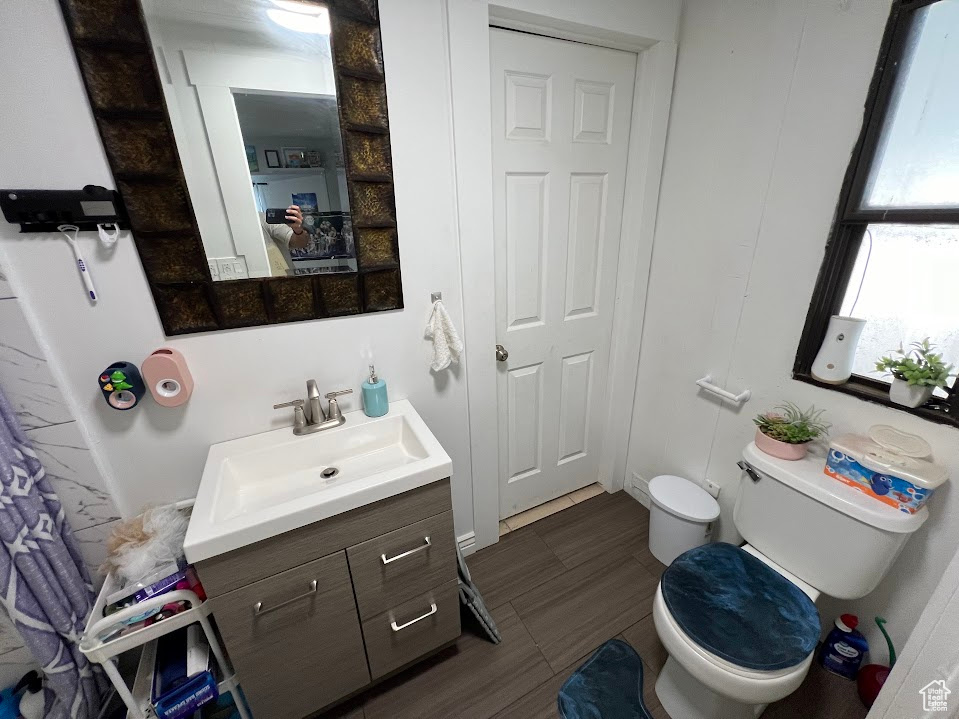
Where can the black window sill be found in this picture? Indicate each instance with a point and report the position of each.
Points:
(935, 410)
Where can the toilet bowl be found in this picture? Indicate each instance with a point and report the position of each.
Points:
(698, 683)
(739, 623)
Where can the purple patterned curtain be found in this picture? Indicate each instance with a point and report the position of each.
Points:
(44, 584)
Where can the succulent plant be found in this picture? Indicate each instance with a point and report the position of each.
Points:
(789, 424)
(921, 365)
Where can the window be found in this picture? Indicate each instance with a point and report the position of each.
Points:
(893, 254)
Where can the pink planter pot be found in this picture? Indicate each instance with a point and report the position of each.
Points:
(782, 450)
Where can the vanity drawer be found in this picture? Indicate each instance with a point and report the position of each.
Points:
(402, 564)
(411, 629)
(298, 624)
(226, 572)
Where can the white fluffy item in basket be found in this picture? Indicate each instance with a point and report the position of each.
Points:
(139, 546)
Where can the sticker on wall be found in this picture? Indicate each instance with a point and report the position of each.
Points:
(121, 385)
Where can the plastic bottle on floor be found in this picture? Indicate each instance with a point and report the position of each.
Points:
(844, 648)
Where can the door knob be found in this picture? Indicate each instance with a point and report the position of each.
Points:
(501, 354)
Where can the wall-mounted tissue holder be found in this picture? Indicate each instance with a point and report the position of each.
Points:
(706, 383)
(167, 377)
(122, 386)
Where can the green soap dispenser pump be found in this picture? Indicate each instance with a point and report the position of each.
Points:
(375, 401)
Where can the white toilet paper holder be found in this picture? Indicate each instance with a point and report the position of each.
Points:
(706, 383)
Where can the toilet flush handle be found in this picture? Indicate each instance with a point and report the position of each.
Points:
(753, 474)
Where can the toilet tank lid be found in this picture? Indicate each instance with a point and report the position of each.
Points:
(808, 477)
(682, 498)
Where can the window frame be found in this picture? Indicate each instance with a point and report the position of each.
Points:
(849, 227)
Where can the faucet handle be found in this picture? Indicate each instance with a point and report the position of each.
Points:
(299, 416)
(331, 395)
(334, 411)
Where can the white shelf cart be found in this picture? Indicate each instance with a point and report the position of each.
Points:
(138, 700)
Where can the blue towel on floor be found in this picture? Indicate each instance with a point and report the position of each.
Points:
(609, 685)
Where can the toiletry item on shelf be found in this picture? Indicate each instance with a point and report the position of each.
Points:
(176, 691)
(167, 377)
(375, 401)
(159, 583)
(888, 465)
(122, 386)
(844, 648)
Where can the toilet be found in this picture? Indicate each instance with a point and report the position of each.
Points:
(740, 623)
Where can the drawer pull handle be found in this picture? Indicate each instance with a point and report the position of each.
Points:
(387, 560)
(396, 627)
(258, 609)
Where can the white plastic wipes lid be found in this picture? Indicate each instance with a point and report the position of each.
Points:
(899, 442)
(878, 458)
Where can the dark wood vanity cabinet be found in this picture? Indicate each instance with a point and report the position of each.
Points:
(314, 615)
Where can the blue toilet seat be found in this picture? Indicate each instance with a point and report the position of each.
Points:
(732, 604)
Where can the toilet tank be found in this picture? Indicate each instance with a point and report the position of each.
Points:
(839, 540)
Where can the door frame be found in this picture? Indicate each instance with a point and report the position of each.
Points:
(468, 25)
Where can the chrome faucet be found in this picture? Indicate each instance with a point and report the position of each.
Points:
(316, 420)
(317, 415)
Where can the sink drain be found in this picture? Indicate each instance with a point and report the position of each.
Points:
(329, 473)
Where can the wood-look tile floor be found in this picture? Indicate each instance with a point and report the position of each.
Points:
(558, 588)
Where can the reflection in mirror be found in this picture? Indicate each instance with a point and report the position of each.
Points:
(251, 95)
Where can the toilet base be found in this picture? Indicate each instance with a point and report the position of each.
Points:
(684, 697)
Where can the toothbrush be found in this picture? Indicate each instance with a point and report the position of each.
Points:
(81, 263)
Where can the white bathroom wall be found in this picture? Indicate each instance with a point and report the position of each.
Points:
(767, 105)
(930, 655)
(153, 454)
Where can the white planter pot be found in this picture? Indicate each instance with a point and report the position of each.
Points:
(909, 395)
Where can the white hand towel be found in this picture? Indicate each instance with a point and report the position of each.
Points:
(447, 345)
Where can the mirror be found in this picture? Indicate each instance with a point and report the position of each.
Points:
(198, 100)
(251, 94)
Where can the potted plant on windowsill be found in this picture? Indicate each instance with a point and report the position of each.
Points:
(915, 373)
(787, 431)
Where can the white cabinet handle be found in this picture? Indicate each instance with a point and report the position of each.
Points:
(396, 627)
(387, 560)
(258, 609)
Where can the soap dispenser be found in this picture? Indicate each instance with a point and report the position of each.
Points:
(375, 401)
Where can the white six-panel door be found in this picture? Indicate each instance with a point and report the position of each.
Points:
(561, 114)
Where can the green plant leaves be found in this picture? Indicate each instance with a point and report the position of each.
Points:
(921, 365)
(792, 425)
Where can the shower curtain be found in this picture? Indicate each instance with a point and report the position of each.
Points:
(44, 584)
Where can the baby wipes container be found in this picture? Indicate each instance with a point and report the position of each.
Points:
(888, 465)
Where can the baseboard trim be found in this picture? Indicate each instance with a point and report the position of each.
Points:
(467, 543)
(638, 488)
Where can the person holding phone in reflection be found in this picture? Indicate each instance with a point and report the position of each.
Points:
(281, 238)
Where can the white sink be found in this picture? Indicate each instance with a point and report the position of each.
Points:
(257, 487)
